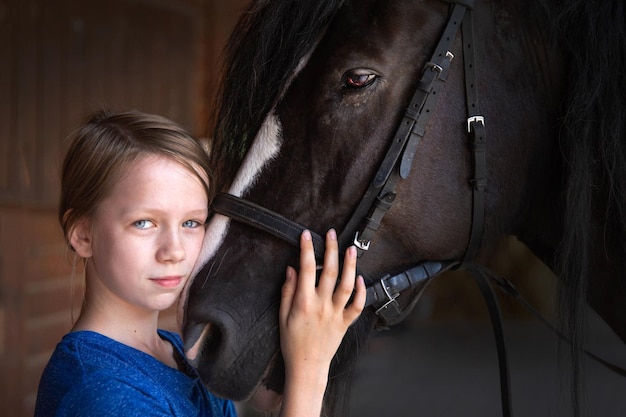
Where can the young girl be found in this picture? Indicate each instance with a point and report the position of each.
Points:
(134, 200)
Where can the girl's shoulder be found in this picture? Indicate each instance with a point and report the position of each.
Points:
(90, 374)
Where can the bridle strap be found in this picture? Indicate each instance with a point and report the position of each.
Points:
(380, 195)
(493, 307)
(383, 294)
(478, 138)
(259, 217)
(509, 289)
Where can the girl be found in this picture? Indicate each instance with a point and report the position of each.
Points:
(135, 193)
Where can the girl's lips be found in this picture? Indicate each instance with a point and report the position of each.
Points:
(168, 282)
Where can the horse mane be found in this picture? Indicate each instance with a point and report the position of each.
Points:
(593, 143)
(262, 53)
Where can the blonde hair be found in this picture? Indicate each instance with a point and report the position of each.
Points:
(107, 144)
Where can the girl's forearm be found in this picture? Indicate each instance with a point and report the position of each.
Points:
(304, 394)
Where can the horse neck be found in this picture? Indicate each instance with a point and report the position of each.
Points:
(526, 161)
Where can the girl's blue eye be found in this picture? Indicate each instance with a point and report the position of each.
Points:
(142, 224)
(191, 223)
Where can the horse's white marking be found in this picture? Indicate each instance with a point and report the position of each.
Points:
(215, 232)
(265, 146)
(263, 149)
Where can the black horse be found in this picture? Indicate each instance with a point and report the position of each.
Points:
(443, 126)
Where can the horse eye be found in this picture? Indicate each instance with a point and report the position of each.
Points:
(358, 79)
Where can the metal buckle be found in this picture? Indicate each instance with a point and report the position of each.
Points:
(361, 244)
(390, 298)
(434, 67)
(474, 119)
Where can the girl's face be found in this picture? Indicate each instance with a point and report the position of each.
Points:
(146, 235)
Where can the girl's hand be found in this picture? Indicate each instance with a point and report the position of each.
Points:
(313, 321)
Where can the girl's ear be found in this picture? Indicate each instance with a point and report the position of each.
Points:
(80, 239)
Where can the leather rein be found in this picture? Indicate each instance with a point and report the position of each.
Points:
(383, 294)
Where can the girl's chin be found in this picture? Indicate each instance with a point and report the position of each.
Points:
(265, 400)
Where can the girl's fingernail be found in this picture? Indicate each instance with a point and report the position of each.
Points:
(352, 251)
(306, 235)
(332, 234)
(290, 273)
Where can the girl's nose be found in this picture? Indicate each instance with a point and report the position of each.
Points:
(171, 248)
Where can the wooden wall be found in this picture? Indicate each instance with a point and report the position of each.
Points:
(60, 60)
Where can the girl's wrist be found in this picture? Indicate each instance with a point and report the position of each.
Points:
(304, 394)
(308, 372)
(316, 378)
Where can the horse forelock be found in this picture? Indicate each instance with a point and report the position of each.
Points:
(269, 45)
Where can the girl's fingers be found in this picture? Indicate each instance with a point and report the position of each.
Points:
(306, 278)
(328, 277)
(313, 321)
(300, 293)
(350, 286)
(355, 308)
(348, 275)
(287, 294)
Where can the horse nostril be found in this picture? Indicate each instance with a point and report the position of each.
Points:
(202, 340)
(212, 341)
(193, 335)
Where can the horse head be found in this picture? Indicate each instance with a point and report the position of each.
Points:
(312, 101)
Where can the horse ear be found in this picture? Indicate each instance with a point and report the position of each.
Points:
(80, 239)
